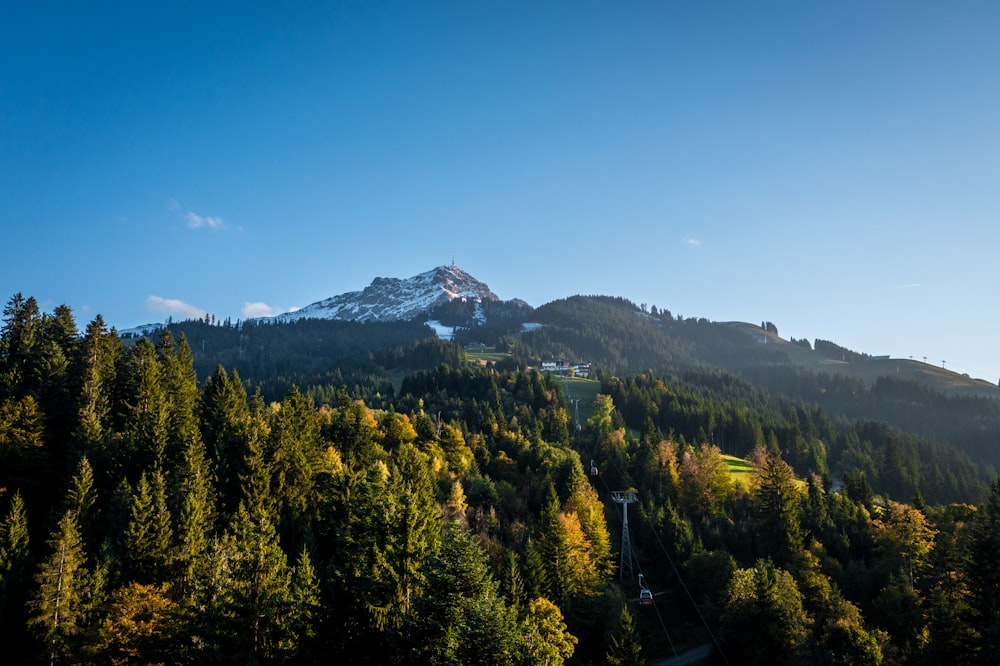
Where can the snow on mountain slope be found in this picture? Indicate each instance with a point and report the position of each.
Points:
(388, 299)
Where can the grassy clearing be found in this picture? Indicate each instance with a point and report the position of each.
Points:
(482, 355)
(584, 390)
(739, 469)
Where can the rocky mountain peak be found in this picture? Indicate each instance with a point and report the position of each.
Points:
(388, 299)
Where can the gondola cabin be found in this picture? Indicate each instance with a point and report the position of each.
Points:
(645, 594)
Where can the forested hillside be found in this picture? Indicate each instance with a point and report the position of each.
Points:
(321, 353)
(153, 513)
(904, 433)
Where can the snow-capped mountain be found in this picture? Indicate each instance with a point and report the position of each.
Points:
(388, 299)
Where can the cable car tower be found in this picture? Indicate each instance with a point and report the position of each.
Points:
(625, 497)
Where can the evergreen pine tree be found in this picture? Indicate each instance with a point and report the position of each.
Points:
(464, 619)
(305, 606)
(13, 568)
(180, 382)
(763, 616)
(81, 499)
(96, 373)
(18, 338)
(776, 509)
(224, 417)
(984, 575)
(144, 410)
(24, 460)
(195, 519)
(56, 605)
(625, 648)
(416, 524)
(261, 594)
(57, 386)
(256, 596)
(148, 537)
(294, 438)
(512, 584)
(539, 581)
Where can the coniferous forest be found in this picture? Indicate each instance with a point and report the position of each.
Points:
(398, 503)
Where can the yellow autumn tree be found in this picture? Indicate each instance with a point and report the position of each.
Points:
(139, 626)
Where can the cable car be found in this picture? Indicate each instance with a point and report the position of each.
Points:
(593, 468)
(645, 594)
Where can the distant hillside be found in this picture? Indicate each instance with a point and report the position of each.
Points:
(870, 368)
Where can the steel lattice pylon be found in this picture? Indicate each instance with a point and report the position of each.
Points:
(625, 497)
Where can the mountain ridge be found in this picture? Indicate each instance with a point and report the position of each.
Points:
(449, 300)
(394, 299)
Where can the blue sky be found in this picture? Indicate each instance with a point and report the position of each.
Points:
(830, 167)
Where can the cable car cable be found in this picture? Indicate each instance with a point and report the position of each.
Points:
(680, 579)
(642, 577)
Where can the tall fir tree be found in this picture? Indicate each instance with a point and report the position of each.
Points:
(81, 499)
(763, 618)
(180, 382)
(96, 367)
(257, 595)
(537, 574)
(148, 537)
(19, 336)
(625, 648)
(56, 606)
(261, 596)
(416, 524)
(294, 440)
(776, 509)
(57, 385)
(14, 574)
(984, 575)
(24, 458)
(224, 416)
(305, 608)
(196, 517)
(144, 411)
(462, 613)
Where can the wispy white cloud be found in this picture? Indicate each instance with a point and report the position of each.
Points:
(259, 310)
(195, 220)
(173, 306)
(908, 286)
(691, 241)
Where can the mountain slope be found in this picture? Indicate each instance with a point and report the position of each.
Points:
(392, 299)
